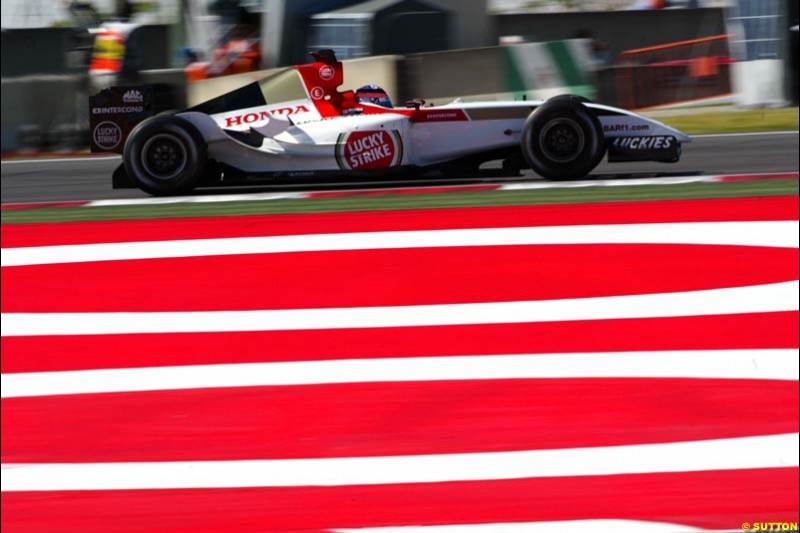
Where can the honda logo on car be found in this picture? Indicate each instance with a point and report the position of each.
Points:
(260, 116)
(369, 150)
(644, 143)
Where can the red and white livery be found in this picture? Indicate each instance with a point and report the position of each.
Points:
(298, 123)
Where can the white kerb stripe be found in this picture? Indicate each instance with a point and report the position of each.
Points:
(774, 233)
(751, 299)
(721, 454)
(565, 526)
(710, 364)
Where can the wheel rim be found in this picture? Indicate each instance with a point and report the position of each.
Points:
(164, 156)
(562, 140)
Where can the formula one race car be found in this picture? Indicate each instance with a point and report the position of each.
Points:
(296, 123)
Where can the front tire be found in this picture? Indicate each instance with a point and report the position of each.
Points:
(562, 140)
(165, 155)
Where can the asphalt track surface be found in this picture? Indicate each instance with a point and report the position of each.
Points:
(90, 179)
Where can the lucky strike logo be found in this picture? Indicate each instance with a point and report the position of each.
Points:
(107, 135)
(369, 150)
(261, 116)
(327, 72)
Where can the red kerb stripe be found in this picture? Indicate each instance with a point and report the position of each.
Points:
(759, 177)
(381, 419)
(364, 278)
(733, 209)
(713, 500)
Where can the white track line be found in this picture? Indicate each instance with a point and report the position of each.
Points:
(768, 233)
(709, 364)
(202, 199)
(498, 186)
(719, 454)
(607, 183)
(564, 526)
(751, 299)
(310, 194)
(745, 134)
(79, 159)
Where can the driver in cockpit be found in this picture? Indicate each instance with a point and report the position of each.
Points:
(373, 94)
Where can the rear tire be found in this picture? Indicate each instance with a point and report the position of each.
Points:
(165, 155)
(562, 139)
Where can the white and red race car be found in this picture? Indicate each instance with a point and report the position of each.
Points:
(296, 123)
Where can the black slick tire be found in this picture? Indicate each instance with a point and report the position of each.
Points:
(562, 139)
(165, 156)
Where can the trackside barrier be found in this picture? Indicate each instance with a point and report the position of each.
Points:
(674, 72)
(44, 112)
(530, 70)
(50, 112)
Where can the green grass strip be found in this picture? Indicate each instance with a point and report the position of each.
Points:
(752, 120)
(400, 201)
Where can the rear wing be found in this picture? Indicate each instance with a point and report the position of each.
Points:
(115, 111)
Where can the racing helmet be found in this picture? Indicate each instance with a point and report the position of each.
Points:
(372, 94)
